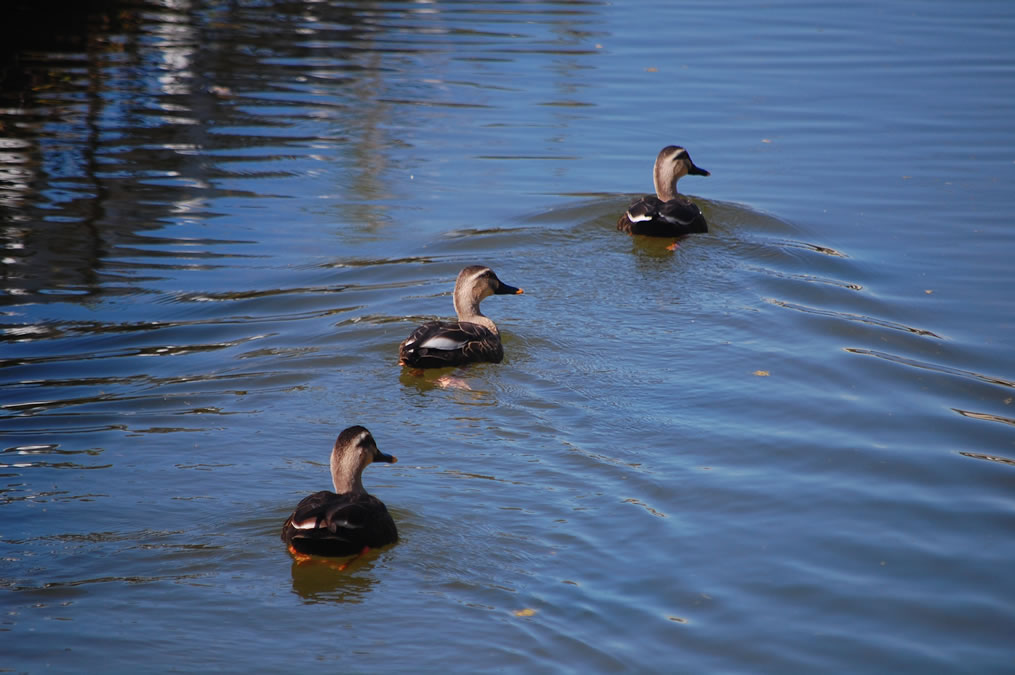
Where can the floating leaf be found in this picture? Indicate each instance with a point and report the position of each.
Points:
(524, 612)
(761, 373)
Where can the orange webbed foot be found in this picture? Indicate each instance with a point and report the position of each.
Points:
(304, 558)
(452, 382)
(341, 568)
(300, 558)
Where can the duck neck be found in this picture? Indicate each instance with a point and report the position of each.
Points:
(667, 193)
(665, 184)
(467, 309)
(346, 478)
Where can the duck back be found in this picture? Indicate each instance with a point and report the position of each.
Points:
(436, 344)
(330, 524)
(653, 217)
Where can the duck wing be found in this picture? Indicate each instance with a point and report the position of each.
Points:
(450, 343)
(326, 523)
(683, 214)
(654, 217)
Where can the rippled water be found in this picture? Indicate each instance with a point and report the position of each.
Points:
(786, 446)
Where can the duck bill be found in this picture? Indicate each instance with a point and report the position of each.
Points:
(381, 457)
(504, 289)
(697, 171)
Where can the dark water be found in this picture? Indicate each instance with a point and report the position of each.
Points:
(787, 446)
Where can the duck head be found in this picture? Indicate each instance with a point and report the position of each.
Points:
(474, 283)
(354, 451)
(672, 164)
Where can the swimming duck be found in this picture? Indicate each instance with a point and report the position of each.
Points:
(666, 214)
(348, 521)
(473, 337)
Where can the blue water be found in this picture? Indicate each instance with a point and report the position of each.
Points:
(786, 446)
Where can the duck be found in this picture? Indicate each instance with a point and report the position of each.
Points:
(348, 521)
(666, 213)
(472, 338)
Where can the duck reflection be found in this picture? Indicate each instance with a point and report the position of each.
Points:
(445, 378)
(321, 580)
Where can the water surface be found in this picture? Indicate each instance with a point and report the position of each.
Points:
(786, 446)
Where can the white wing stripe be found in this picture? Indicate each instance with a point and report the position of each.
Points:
(441, 342)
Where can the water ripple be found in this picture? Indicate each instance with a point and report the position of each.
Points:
(853, 317)
(985, 416)
(989, 458)
(932, 366)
